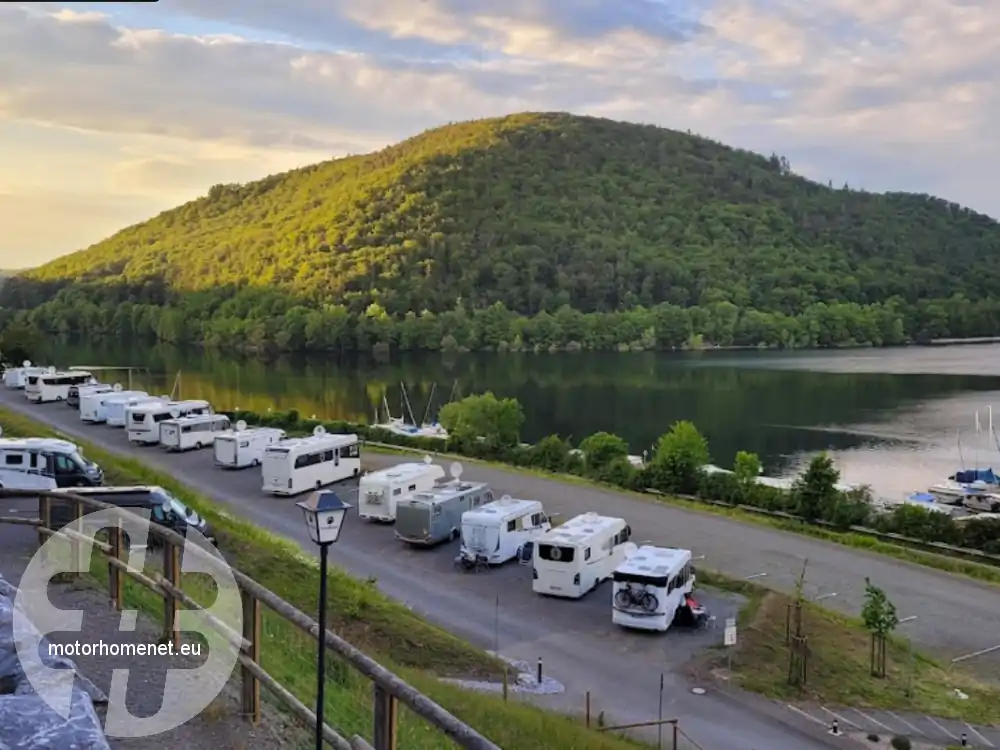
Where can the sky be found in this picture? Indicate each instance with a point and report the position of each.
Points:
(111, 113)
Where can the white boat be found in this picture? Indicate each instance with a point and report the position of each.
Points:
(399, 426)
(922, 499)
(951, 492)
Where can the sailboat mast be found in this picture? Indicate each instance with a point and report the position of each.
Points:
(406, 402)
(961, 458)
(430, 403)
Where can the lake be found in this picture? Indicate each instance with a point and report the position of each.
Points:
(890, 417)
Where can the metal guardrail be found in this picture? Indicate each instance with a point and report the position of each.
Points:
(388, 689)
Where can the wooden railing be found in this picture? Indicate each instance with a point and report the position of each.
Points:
(388, 690)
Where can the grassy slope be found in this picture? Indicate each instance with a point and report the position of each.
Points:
(538, 210)
(388, 631)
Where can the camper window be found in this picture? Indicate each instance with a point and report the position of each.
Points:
(397, 491)
(437, 510)
(312, 459)
(351, 451)
(536, 519)
(244, 444)
(159, 514)
(64, 465)
(511, 525)
(412, 488)
(157, 418)
(586, 555)
(556, 554)
(14, 459)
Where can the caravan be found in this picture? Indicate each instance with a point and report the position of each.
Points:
(45, 463)
(244, 446)
(143, 420)
(17, 377)
(115, 408)
(192, 432)
(494, 533)
(77, 392)
(380, 491)
(575, 558)
(94, 406)
(434, 516)
(53, 385)
(650, 587)
(299, 464)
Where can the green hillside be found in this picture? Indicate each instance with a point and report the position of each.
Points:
(534, 230)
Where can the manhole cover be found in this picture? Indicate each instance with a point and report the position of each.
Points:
(698, 691)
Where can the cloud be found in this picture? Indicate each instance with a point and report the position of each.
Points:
(882, 94)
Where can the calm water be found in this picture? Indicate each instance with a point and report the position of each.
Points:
(890, 418)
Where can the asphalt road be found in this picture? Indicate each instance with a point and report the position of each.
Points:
(579, 645)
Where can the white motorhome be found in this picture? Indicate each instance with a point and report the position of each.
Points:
(298, 464)
(573, 559)
(650, 587)
(45, 463)
(143, 421)
(493, 533)
(17, 377)
(54, 385)
(244, 446)
(115, 408)
(94, 406)
(193, 432)
(379, 491)
(76, 392)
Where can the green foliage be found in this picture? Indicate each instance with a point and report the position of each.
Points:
(531, 232)
(900, 742)
(747, 468)
(878, 613)
(492, 423)
(816, 489)
(18, 343)
(679, 457)
(602, 449)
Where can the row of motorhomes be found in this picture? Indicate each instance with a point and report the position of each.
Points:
(651, 585)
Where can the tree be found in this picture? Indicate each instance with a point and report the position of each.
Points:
(18, 343)
(484, 420)
(550, 453)
(879, 616)
(816, 490)
(746, 467)
(679, 458)
(602, 448)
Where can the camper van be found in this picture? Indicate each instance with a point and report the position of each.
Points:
(298, 464)
(574, 559)
(45, 463)
(143, 420)
(94, 406)
(164, 509)
(115, 407)
(650, 587)
(379, 491)
(244, 446)
(434, 516)
(493, 533)
(17, 377)
(193, 432)
(77, 392)
(53, 385)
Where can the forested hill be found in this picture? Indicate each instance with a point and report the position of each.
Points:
(666, 238)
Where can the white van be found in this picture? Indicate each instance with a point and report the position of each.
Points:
(650, 586)
(45, 463)
(299, 464)
(143, 420)
(17, 377)
(115, 408)
(379, 491)
(244, 446)
(574, 559)
(493, 533)
(193, 432)
(94, 406)
(53, 385)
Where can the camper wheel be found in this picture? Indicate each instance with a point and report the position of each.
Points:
(255, 463)
(355, 473)
(455, 533)
(197, 446)
(319, 484)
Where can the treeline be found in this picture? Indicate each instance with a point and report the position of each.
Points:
(483, 426)
(267, 321)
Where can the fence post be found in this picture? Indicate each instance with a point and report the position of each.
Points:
(252, 631)
(76, 544)
(674, 723)
(172, 572)
(45, 515)
(116, 579)
(587, 715)
(385, 719)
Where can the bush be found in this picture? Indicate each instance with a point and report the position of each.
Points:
(899, 742)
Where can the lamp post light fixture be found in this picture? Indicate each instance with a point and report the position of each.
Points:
(324, 514)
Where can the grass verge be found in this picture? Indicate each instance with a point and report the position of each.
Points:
(388, 631)
(969, 569)
(838, 666)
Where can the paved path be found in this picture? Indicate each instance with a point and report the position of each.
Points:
(914, 726)
(580, 646)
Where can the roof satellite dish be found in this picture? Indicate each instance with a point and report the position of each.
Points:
(164, 397)
(52, 371)
(26, 363)
(428, 460)
(240, 426)
(92, 381)
(174, 413)
(117, 387)
(319, 430)
(506, 499)
(456, 470)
